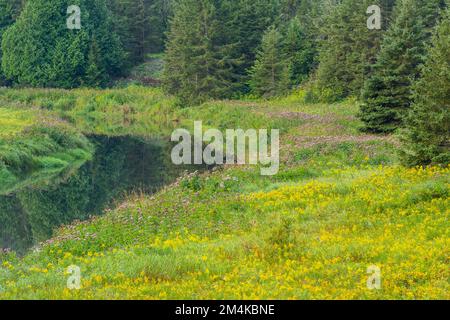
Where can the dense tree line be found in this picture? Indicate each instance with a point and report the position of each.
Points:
(40, 50)
(388, 91)
(426, 135)
(9, 11)
(218, 49)
(348, 47)
(141, 26)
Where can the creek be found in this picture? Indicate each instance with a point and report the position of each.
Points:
(120, 166)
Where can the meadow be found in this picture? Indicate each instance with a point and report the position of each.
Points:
(340, 204)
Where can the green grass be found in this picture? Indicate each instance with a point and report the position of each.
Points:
(148, 73)
(35, 147)
(13, 121)
(131, 111)
(340, 204)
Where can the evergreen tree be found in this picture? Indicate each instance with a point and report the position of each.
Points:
(427, 134)
(141, 25)
(245, 22)
(123, 15)
(199, 61)
(9, 10)
(308, 14)
(300, 49)
(161, 11)
(289, 9)
(271, 73)
(95, 73)
(40, 50)
(300, 27)
(248, 22)
(388, 92)
(348, 47)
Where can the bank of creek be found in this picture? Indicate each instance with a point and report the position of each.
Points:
(120, 165)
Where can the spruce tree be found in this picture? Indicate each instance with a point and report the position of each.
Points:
(124, 13)
(95, 73)
(141, 26)
(9, 10)
(160, 12)
(426, 137)
(270, 76)
(248, 20)
(387, 93)
(199, 61)
(245, 22)
(348, 46)
(300, 22)
(40, 50)
(300, 49)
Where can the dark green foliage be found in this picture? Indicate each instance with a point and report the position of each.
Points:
(388, 92)
(348, 47)
(300, 49)
(141, 25)
(200, 62)
(245, 22)
(427, 134)
(39, 50)
(290, 8)
(300, 23)
(270, 75)
(95, 72)
(9, 9)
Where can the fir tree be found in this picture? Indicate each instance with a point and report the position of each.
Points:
(199, 61)
(123, 14)
(427, 134)
(301, 24)
(348, 46)
(388, 92)
(141, 25)
(160, 12)
(300, 49)
(249, 19)
(39, 49)
(271, 73)
(95, 72)
(245, 22)
(9, 10)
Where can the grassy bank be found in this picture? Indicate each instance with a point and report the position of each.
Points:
(35, 146)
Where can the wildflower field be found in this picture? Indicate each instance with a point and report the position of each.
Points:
(340, 204)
